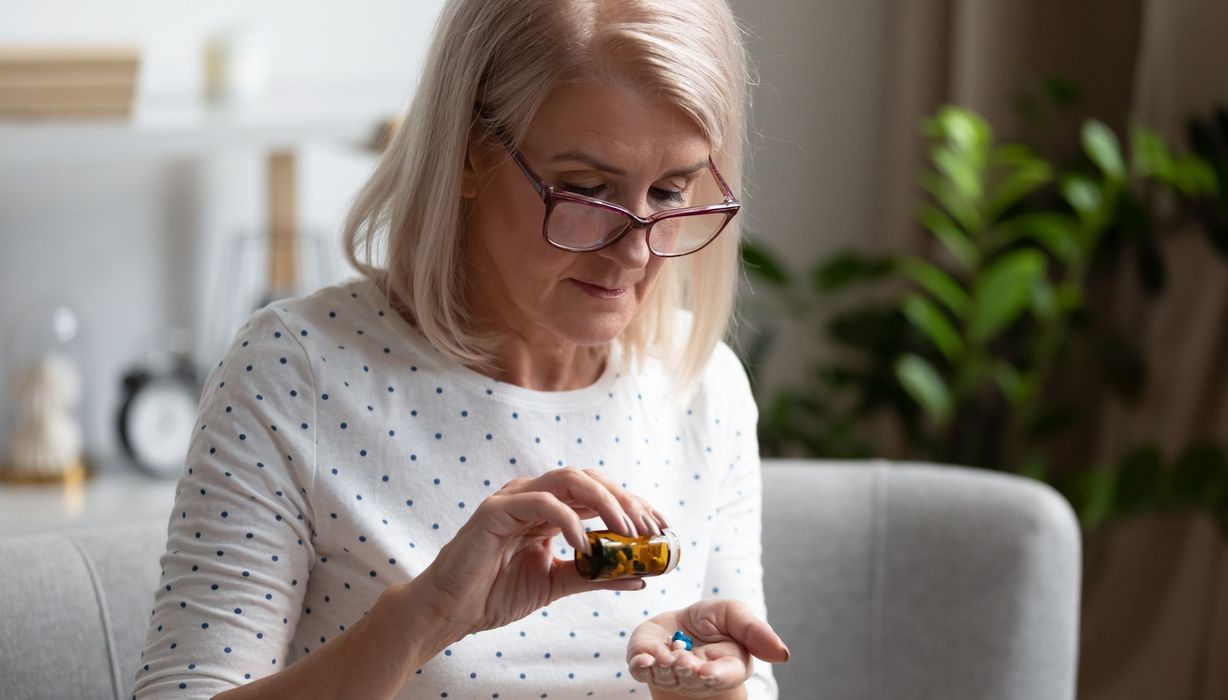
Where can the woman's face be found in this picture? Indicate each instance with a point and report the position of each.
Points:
(601, 140)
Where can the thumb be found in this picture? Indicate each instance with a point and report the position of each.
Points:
(756, 635)
(565, 580)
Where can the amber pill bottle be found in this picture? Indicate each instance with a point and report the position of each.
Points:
(618, 556)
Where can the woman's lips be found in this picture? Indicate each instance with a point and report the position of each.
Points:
(599, 292)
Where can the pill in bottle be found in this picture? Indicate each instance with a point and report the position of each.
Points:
(618, 556)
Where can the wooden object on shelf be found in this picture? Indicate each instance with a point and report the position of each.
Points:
(283, 224)
(75, 82)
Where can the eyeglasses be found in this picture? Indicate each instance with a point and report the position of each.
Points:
(581, 224)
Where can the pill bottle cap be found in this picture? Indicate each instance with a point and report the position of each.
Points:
(675, 549)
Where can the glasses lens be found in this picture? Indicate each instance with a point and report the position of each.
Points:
(581, 226)
(680, 235)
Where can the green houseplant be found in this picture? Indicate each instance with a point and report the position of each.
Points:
(961, 347)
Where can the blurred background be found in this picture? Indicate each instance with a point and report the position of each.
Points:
(991, 234)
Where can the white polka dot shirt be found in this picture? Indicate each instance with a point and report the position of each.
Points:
(336, 452)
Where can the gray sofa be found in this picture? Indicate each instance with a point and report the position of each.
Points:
(887, 580)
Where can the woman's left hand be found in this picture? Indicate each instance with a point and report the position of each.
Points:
(725, 635)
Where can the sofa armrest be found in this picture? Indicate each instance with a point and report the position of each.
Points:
(894, 580)
(73, 610)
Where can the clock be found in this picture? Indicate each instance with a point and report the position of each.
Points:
(157, 414)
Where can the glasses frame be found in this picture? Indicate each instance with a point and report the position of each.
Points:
(552, 197)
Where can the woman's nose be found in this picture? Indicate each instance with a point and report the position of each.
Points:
(631, 251)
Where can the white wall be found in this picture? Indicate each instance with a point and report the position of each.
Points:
(819, 116)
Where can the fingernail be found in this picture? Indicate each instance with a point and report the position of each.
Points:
(786, 653)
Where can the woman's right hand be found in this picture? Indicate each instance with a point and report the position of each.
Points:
(500, 566)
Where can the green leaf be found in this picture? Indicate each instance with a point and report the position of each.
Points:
(962, 173)
(844, 269)
(1140, 481)
(1083, 195)
(930, 320)
(925, 386)
(1056, 232)
(1091, 495)
(937, 282)
(1014, 387)
(950, 235)
(1150, 156)
(965, 129)
(1044, 302)
(1102, 147)
(1193, 177)
(1200, 476)
(1003, 292)
(963, 210)
(1062, 91)
(1023, 179)
(1068, 297)
(762, 263)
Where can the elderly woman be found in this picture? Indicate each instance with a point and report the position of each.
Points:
(390, 477)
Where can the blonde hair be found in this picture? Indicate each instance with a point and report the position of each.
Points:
(509, 55)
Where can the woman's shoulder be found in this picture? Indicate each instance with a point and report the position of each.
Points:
(352, 315)
(349, 299)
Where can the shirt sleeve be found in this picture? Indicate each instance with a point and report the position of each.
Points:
(239, 539)
(735, 568)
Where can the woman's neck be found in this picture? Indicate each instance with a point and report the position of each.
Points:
(537, 362)
(561, 368)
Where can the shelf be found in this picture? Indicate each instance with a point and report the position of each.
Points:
(178, 127)
(119, 496)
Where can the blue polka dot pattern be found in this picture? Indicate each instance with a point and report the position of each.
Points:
(281, 539)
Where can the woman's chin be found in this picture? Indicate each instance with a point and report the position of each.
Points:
(595, 329)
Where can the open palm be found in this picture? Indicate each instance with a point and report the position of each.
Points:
(726, 635)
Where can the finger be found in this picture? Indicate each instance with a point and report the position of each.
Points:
(724, 672)
(640, 666)
(577, 488)
(514, 485)
(635, 506)
(565, 580)
(686, 668)
(662, 521)
(663, 675)
(512, 512)
(647, 639)
(735, 619)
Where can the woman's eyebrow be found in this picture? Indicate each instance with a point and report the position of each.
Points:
(582, 157)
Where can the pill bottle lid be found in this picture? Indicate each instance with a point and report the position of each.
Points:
(675, 549)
